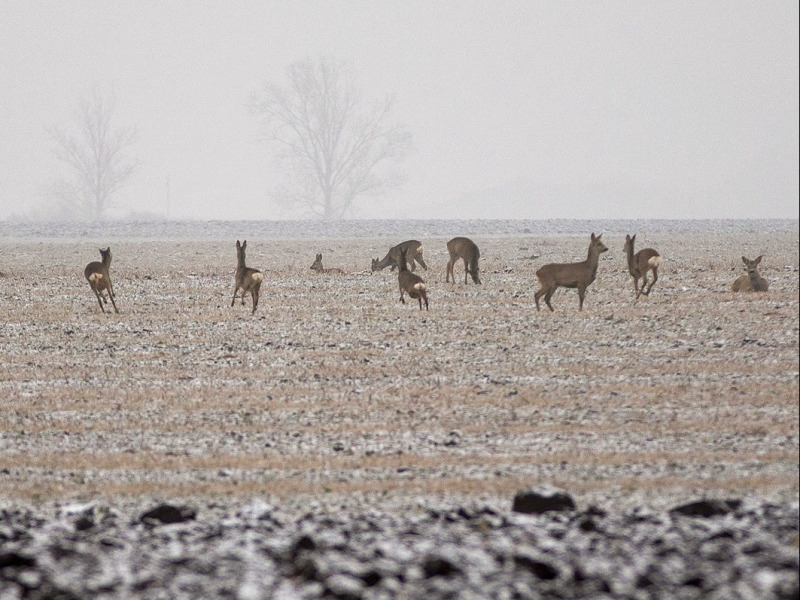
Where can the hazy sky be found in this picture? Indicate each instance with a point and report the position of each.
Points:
(574, 109)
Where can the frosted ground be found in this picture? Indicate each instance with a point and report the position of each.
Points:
(335, 398)
(335, 388)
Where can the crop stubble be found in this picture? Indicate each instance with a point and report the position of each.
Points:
(334, 391)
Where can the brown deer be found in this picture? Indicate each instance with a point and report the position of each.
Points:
(570, 275)
(392, 258)
(639, 264)
(752, 281)
(410, 283)
(317, 266)
(99, 277)
(246, 279)
(467, 250)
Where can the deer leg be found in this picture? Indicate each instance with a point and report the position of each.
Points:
(581, 295)
(644, 283)
(402, 299)
(466, 271)
(254, 293)
(418, 258)
(235, 289)
(449, 271)
(652, 283)
(547, 297)
(99, 301)
(114, 304)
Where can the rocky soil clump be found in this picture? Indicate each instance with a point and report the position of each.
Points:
(719, 549)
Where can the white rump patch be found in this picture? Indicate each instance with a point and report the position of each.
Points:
(95, 277)
(655, 261)
(258, 277)
(419, 286)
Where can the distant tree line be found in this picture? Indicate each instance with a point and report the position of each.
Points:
(332, 146)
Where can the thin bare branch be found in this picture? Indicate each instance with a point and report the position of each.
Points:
(332, 146)
(95, 154)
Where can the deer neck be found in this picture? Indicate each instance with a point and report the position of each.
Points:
(592, 261)
(384, 262)
(629, 252)
(402, 265)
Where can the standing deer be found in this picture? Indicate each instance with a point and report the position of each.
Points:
(639, 264)
(392, 258)
(246, 279)
(99, 277)
(570, 275)
(410, 283)
(752, 281)
(317, 266)
(467, 250)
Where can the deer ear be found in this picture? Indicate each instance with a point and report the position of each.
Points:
(238, 244)
(633, 237)
(244, 244)
(744, 259)
(593, 238)
(599, 236)
(758, 260)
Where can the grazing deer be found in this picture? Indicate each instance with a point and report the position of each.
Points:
(639, 264)
(410, 283)
(99, 277)
(317, 266)
(246, 279)
(392, 258)
(752, 281)
(467, 250)
(570, 275)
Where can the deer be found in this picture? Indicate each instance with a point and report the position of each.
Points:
(639, 264)
(99, 277)
(245, 278)
(410, 283)
(467, 250)
(570, 275)
(317, 266)
(752, 281)
(392, 258)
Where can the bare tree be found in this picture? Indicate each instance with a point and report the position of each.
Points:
(332, 145)
(95, 153)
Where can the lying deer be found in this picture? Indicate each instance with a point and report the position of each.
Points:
(640, 263)
(570, 275)
(410, 283)
(752, 281)
(246, 279)
(467, 250)
(317, 266)
(99, 278)
(392, 258)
